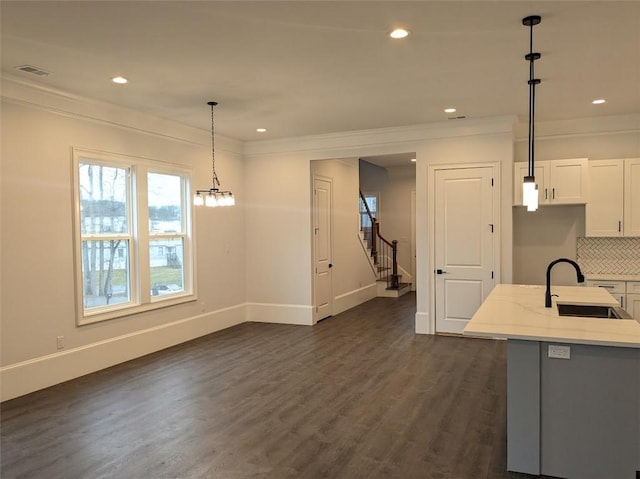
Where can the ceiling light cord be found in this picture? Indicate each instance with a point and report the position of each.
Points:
(529, 186)
(532, 57)
(214, 176)
(213, 196)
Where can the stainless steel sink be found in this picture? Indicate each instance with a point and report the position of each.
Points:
(604, 312)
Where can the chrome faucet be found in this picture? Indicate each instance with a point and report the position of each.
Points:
(547, 294)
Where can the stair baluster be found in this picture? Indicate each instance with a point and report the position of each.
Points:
(384, 253)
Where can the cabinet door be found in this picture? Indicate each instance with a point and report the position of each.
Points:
(604, 208)
(632, 197)
(633, 287)
(633, 305)
(569, 181)
(520, 170)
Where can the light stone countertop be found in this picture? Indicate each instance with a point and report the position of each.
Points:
(612, 277)
(513, 311)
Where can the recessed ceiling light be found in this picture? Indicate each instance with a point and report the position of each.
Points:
(450, 110)
(599, 101)
(399, 33)
(413, 160)
(119, 80)
(261, 130)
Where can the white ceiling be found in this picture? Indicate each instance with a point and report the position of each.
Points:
(315, 67)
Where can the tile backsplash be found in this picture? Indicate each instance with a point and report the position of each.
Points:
(608, 255)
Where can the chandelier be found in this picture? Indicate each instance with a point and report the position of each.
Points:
(214, 196)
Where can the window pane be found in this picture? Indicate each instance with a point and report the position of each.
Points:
(372, 202)
(103, 199)
(166, 258)
(105, 272)
(165, 203)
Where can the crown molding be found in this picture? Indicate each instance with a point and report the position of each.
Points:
(591, 126)
(23, 92)
(381, 137)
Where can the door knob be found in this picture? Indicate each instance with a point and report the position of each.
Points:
(439, 271)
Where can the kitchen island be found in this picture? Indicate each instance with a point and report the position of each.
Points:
(573, 394)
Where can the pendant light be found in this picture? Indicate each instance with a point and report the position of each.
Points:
(213, 196)
(529, 186)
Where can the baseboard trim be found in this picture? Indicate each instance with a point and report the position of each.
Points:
(353, 298)
(32, 375)
(280, 313)
(423, 325)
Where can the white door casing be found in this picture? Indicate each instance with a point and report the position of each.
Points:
(413, 241)
(464, 235)
(322, 246)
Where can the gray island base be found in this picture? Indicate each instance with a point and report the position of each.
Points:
(573, 394)
(576, 418)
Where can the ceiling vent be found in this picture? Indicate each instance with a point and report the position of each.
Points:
(457, 118)
(33, 70)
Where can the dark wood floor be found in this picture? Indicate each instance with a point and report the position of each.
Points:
(357, 396)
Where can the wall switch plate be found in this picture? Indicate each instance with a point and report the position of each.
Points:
(559, 352)
(60, 342)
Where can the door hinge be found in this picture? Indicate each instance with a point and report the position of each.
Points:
(491, 226)
(492, 275)
(491, 181)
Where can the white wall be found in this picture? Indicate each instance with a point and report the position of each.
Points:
(352, 276)
(543, 236)
(37, 303)
(394, 186)
(254, 260)
(480, 141)
(373, 178)
(490, 142)
(278, 239)
(551, 232)
(395, 212)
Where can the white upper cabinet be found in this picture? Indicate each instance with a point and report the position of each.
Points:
(569, 181)
(560, 182)
(632, 197)
(605, 212)
(613, 208)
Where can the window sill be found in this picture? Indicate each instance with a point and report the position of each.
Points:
(165, 302)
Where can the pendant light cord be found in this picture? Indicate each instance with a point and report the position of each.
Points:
(214, 179)
(532, 57)
(531, 102)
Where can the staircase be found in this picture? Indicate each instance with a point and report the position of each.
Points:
(383, 256)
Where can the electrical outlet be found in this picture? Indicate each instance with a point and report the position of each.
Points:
(559, 352)
(60, 342)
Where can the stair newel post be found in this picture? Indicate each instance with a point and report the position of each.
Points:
(394, 265)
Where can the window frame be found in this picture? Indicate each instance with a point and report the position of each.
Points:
(362, 212)
(138, 235)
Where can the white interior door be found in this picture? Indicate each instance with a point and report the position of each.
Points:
(463, 244)
(323, 295)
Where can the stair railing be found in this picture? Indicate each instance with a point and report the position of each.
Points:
(383, 252)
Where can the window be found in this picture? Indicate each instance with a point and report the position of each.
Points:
(372, 203)
(133, 240)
